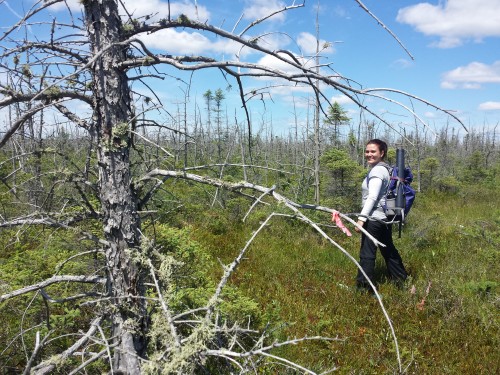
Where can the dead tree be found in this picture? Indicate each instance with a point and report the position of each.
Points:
(93, 63)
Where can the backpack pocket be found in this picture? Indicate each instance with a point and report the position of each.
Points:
(390, 209)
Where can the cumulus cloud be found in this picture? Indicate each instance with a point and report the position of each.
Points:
(256, 9)
(454, 21)
(274, 41)
(157, 8)
(341, 99)
(277, 64)
(193, 43)
(173, 41)
(188, 42)
(161, 9)
(177, 42)
(72, 4)
(307, 43)
(489, 106)
(289, 92)
(471, 76)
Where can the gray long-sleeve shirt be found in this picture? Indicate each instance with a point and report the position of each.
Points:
(373, 193)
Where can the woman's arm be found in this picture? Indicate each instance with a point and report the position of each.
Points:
(374, 186)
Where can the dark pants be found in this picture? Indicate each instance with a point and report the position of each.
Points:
(383, 233)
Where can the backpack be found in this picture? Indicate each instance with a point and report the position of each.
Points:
(398, 209)
(399, 196)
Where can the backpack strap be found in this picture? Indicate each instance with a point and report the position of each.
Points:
(383, 164)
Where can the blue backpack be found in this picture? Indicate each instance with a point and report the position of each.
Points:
(399, 186)
(397, 209)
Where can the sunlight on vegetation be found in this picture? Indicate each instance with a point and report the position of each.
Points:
(139, 238)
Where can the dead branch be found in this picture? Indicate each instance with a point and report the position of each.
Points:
(260, 20)
(166, 310)
(48, 366)
(384, 27)
(38, 347)
(246, 185)
(29, 14)
(422, 100)
(67, 299)
(294, 207)
(236, 165)
(53, 280)
(254, 352)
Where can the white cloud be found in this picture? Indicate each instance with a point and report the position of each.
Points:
(454, 21)
(471, 76)
(277, 64)
(307, 43)
(161, 8)
(157, 8)
(285, 90)
(288, 90)
(489, 106)
(3, 77)
(341, 99)
(184, 42)
(261, 8)
(274, 41)
(187, 42)
(177, 42)
(72, 4)
(402, 63)
(190, 43)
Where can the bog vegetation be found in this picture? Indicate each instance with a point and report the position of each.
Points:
(291, 283)
(137, 240)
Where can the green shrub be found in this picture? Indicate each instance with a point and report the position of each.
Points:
(447, 184)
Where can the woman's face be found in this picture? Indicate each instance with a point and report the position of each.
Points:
(373, 154)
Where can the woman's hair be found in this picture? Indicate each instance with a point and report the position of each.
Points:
(382, 146)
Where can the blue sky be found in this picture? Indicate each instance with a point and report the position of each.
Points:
(455, 46)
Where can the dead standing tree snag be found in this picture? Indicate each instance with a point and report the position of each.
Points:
(95, 67)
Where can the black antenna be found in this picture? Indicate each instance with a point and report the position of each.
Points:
(400, 197)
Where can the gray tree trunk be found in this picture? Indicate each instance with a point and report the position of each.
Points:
(121, 224)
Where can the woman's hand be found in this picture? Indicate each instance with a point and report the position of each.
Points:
(360, 223)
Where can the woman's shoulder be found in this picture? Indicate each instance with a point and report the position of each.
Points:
(380, 170)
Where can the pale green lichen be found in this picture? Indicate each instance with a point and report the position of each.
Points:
(180, 360)
(183, 19)
(120, 135)
(27, 71)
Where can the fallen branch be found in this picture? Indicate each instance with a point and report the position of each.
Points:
(48, 366)
(54, 280)
(295, 208)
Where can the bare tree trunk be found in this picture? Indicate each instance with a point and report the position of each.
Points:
(241, 138)
(121, 222)
(316, 120)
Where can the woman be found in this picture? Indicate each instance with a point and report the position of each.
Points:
(372, 218)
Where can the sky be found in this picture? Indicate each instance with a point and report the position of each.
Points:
(446, 52)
